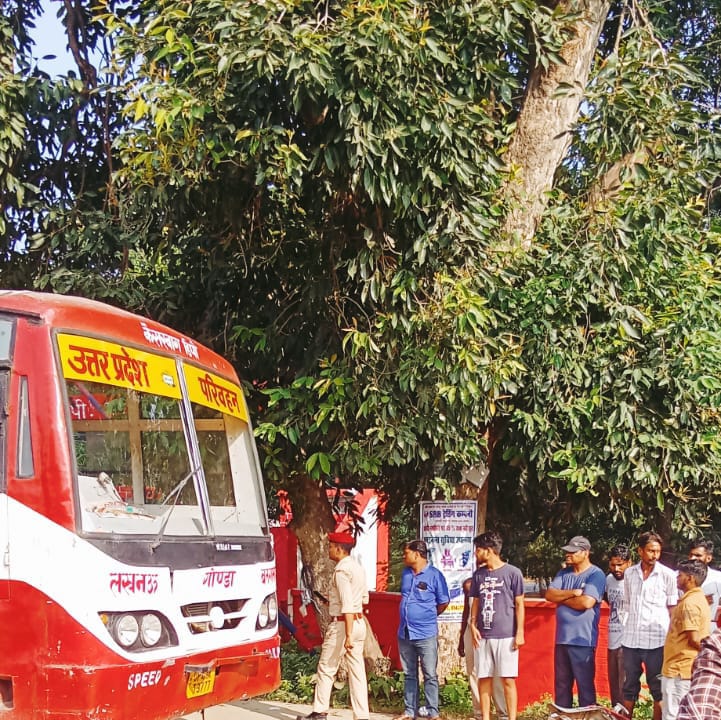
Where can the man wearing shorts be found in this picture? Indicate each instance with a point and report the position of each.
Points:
(497, 619)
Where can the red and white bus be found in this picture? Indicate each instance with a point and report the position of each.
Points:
(137, 576)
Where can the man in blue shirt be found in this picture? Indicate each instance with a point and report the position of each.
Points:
(577, 590)
(424, 596)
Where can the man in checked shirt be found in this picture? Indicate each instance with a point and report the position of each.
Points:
(703, 700)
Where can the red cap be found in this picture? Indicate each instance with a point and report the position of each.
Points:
(341, 538)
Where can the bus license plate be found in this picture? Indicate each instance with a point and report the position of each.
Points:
(200, 682)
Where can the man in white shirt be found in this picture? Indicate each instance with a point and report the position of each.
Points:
(650, 593)
(702, 549)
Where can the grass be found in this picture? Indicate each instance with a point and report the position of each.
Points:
(385, 692)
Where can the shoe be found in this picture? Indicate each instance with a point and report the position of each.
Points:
(312, 716)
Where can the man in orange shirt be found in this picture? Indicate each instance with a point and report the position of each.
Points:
(690, 622)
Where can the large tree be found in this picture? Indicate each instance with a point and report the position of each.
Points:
(434, 235)
(56, 159)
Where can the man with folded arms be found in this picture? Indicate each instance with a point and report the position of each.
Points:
(346, 632)
(577, 590)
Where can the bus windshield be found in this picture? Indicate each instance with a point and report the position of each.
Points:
(151, 460)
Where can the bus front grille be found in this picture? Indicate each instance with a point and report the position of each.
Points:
(208, 616)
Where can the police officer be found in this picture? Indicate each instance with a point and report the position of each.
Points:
(346, 632)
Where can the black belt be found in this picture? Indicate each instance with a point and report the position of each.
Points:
(341, 618)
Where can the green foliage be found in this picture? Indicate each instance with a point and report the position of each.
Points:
(295, 662)
(537, 711)
(58, 229)
(298, 682)
(644, 710)
(385, 692)
(541, 560)
(402, 529)
(317, 190)
(297, 669)
(455, 695)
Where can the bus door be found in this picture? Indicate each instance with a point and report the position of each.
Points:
(5, 345)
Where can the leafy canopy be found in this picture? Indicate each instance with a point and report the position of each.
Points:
(318, 189)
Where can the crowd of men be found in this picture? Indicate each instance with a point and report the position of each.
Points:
(659, 619)
(662, 623)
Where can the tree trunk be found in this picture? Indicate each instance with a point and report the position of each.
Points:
(312, 521)
(469, 491)
(543, 129)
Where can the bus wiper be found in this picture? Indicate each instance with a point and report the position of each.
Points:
(175, 494)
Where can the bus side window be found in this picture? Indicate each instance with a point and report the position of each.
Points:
(26, 467)
(6, 343)
(4, 380)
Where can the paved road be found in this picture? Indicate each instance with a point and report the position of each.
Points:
(266, 710)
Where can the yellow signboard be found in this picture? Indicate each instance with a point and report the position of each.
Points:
(213, 391)
(102, 361)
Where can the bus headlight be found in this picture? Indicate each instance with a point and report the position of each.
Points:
(263, 615)
(139, 630)
(151, 630)
(272, 608)
(126, 630)
(267, 613)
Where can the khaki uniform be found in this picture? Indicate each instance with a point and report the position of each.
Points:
(348, 593)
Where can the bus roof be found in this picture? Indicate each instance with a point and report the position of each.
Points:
(97, 319)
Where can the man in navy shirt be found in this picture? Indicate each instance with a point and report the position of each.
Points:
(497, 619)
(424, 596)
(577, 590)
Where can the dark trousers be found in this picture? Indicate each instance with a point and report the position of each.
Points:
(635, 661)
(616, 675)
(574, 663)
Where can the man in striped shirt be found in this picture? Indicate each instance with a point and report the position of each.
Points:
(650, 594)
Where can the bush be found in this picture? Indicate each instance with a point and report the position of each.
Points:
(297, 671)
(385, 692)
(455, 695)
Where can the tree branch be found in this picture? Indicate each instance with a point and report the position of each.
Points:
(543, 130)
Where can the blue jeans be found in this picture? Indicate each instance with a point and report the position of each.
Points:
(425, 651)
(574, 662)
